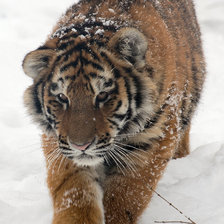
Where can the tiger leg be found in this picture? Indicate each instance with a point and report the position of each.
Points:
(76, 193)
(126, 196)
(183, 148)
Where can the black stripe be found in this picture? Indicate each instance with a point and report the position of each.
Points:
(63, 142)
(137, 119)
(57, 123)
(103, 146)
(93, 64)
(50, 112)
(138, 86)
(97, 66)
(46, 125)
(71, 64)
(61, 80)
(184, 119)
(127, 70)
(64, 45)
(83, 46)
(108, 83)
(50, 120)
(117, 73)
(104, 141)
(96, 42)
(58, 58)
(80, 46)
(151, 123)
(119, 104)
(86, 77)
(50, 75)
(113, 122)
(115, 90)
(94, 55)
(105, 56)
(91, 88)
(138, 96)
(36, 100)
(42, 96)
(65, 148)
(92, 75)
(127, 85)
(55, 103)
(109, 62)
(120, 116)
(125, 129)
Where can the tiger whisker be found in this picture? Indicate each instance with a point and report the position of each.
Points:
(130, 134)
(134, 153)
(127, 160)
(117, 162)
(131, 146)
(52, 154)
(52, 159)
(58, 157)
(112, 69)
(105, 156)
(123, 161)
(63, 159)
(124, 152)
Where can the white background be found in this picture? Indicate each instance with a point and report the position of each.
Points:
(194, 184)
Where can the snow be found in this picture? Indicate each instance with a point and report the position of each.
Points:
(193, 184)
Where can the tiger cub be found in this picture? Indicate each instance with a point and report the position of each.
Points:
(114, 89)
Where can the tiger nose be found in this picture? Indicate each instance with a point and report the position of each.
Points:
(81, 147)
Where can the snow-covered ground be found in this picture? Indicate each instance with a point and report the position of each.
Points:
(194, 184)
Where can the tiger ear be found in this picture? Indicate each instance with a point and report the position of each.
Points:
(131, 44)
(38, 62)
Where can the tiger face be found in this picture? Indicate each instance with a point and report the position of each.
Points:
(90, 95)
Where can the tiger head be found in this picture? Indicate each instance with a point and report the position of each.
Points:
(90, 95)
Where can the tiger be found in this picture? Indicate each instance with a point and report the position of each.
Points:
(115, 86)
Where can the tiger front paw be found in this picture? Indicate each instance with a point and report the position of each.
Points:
(91, 214)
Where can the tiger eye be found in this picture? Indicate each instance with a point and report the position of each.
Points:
(62, 98)
(102, 96)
